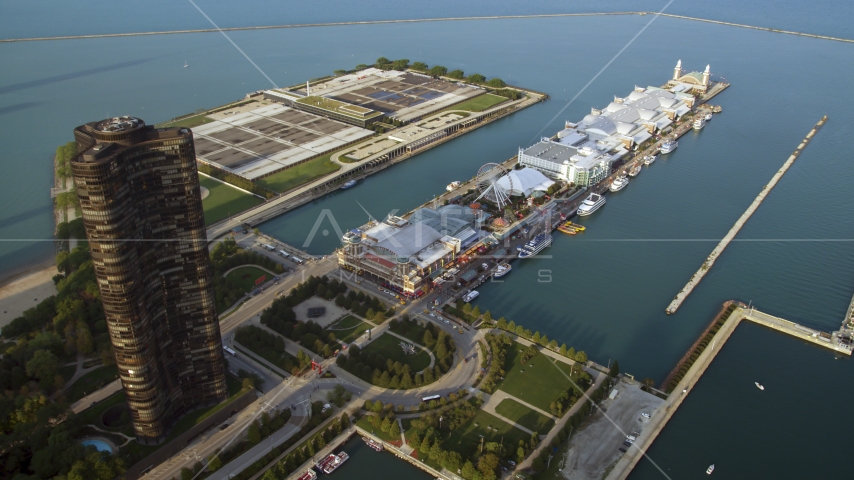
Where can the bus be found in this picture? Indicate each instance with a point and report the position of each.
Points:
(431, 397)
(283, 253)
(229, 351)
(297, 260)
(269, 247)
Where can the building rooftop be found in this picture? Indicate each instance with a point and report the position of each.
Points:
(551, 151)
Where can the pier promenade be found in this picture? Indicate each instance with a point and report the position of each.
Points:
(710, 260)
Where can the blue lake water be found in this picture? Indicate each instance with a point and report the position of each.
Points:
(609, 286)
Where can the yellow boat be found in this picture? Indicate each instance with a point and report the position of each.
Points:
(571, 228)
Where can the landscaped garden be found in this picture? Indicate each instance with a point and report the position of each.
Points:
(466, 438)
(299, 174)
(479, 103)
(349, 328)
(388, 346)
(247, 277)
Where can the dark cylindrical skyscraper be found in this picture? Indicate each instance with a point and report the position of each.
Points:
(142, 209)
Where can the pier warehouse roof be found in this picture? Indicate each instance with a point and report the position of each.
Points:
(524, 182)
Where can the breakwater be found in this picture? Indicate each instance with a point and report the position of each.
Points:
(424, 20)
(710, 260)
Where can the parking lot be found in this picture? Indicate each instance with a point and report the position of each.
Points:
(596, 446)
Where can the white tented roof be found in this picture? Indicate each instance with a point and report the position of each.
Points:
(524, 182)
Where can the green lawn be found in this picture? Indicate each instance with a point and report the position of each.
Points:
(189, 122)
(90, 382)
(466, 439)
(413, 332)
(224, 200)
(389, 347)
(299, 174)
(350, 328)
(246, 276)
(522, 415)
(480, 103)
(536, 382)
(365, 423)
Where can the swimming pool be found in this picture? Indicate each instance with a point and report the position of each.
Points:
(101, 445)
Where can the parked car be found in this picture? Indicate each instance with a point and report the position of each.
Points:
(623, 449)
(645, 415)
(223, 426)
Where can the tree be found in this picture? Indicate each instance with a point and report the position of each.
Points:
(468, 470)
(496, 82)
(379, 317)
(615, 369)
(536, 337)
(44, 365)
(85, 342)
(581, 357)
(385, 425)
(186, 474)
(457, 74)
(382, 61)
(438, 71)
(476, 78)
(214, 463)
(475, 311)
(338, 73)
(467, 308)
(420, 66)
(394, 430)
(254, 433)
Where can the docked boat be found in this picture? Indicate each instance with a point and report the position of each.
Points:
(708, 117)
(710, 469)
(348, 184)
(308, 475)
(453, 186)
(635, 171)
(668, 146)
(332, 462)
(535, 246)
(373, 444)
(618, 184)
(570, 228)
(503, 269)
(470, 296)
(591, 204)
(699, 122)
(759, 385)
(649, 159)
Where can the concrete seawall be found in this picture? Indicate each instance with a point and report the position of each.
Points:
(422, 20)
(663, 414)
(710, 260)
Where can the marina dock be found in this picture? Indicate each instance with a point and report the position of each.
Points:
(710, 260)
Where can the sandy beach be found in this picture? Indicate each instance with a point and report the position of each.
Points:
(25, 291)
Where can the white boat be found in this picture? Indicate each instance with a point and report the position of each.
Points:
(759, 385)
(668, 146)
(635, 171)
(535, 246)
(708, 117)
(503, 269)
(699, 123)
(349, 184)
(649, 159)
(710, 469)
(453, 186)
(470, 296)
(185, 64)
(618, 184)
(590, 204)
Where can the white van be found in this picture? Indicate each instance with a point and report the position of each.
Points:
(269, 247)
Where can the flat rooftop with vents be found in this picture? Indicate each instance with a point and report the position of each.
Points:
(271, 138)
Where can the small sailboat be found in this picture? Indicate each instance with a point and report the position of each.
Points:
(710, 469)
(185, 64)
(759, 385)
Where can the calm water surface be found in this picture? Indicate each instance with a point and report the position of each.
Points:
(609, 286)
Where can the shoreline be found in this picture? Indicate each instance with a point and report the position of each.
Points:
(16, 291)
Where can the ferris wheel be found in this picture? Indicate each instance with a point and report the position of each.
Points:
(488, 184)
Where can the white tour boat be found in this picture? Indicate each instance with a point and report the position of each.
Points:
(708, 117)
(535, 246)
(710, 469)
(668, 146)
(453, 186)
(470, 296)
(590, 204)
(503, 269)
(699, 123)
(759, 385)
(649, 159)
(618, 184)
